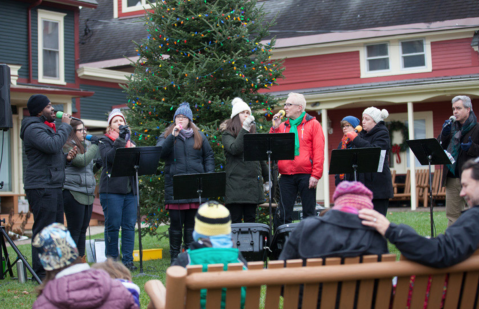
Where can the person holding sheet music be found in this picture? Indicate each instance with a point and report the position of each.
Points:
(185, 150)
(375, 134)
(244, 179)
(348, 124)
(117, 194)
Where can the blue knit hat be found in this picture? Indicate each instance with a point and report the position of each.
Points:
(352, 120)
(184, 110)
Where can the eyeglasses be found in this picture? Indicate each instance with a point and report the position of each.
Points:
(289, 104)
(347, 126)
(181, 117)
(80, 130)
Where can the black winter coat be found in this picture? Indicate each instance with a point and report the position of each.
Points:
(454, 246)
(44, 150)
(463, 156)
(379, 183)
(244, 179)
(181, 158)
(113, 185)
(336, 234)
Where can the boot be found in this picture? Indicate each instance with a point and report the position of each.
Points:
(83, 259)
(188, 237)
(175, 243)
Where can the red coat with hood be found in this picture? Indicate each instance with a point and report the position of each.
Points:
(311, 148)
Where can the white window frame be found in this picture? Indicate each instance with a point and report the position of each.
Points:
(379, 57)
(144, 6)
(415, 54)
(59, 18)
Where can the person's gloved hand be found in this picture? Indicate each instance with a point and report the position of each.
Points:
(351, 135)
(466, 146)
(124, 131)
(248, 123)
(446, 127)
(94, 140)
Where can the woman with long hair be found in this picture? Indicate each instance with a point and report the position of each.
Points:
(117, 194)
(244, 179)
(79, 185)
(185, 150)
(375, 134)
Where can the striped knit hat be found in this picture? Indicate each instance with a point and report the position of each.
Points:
(213, 219)
(352, 196)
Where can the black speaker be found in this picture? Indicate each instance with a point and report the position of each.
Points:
(281, 235)
(6, 121)
(251, 239)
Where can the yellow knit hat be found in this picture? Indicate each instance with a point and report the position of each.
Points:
(212, 219)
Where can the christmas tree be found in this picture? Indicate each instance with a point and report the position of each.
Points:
(204, 52)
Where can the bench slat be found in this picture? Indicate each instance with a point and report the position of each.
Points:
(273, 291)
(253, 293)
(366, 287)
(453, 291)
(311, 290)
(419, 291)
(233, 295)
(383, 293)
(348, 288)
(213, 296)
(291, 291)
(402, 292)
(436, 291)
(330, 290)
(469, 290)
(193, 297)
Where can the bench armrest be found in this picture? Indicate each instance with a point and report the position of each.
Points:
(157, 293)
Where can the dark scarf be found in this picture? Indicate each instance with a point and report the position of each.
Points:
(457, 133)
(186, 133)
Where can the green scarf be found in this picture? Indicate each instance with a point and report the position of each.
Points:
(294, 129)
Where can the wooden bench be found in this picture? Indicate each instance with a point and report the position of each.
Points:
(422, 182)
(370, 280)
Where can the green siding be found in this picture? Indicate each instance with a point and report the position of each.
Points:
(69, 42)
(14, 34)
(99, 105)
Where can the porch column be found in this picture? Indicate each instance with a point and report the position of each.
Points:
(20, 150)
(412, 158)
(324, 123)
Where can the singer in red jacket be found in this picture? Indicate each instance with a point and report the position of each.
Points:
(303, 173)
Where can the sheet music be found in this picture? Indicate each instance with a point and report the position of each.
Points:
(100, 251)
(381, 161)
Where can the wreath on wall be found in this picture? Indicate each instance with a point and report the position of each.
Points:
(398, 148)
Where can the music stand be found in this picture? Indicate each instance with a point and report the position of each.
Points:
(429, 151)
(207, 185)
(136, 161)
(355, 160)
(262, 147)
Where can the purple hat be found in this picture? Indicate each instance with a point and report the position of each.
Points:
(352, 196)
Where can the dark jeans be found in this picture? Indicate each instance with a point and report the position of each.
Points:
(240, 211)
(120, 211)
(381, 205)
(78, 219)
(180, 218)
(289, 186)
(46, 206)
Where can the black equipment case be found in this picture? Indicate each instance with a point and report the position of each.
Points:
(251, 239)
(280, 238)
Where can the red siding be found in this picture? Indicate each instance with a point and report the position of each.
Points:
(452, 54)
(321, 68)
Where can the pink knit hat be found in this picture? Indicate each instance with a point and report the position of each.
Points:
(352, 196)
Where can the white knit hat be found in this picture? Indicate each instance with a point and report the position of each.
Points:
(376, 114)
(114, 113)
(239, 106)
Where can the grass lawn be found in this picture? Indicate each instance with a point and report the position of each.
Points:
(15, 295)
